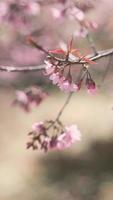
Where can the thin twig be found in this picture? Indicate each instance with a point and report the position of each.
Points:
(61, 110)
(64, 106)
(21, 69)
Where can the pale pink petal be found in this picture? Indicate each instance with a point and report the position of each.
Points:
(37, 125)
(21, 97)
(70, 135)
(54, 77)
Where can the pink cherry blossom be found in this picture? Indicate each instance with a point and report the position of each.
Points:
(68, 87)
(76, 13)
(21, 100)
(92, 91)
(55, 78)
(91, 87)
(71, 134)
(58, 79)
(56, 13)
(28, 98)
(39, 128)
(49, 68)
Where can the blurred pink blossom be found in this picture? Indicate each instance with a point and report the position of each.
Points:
(29, 98)
(39, 127)
(91, 87)
(70, 135)
(25, 55)
(67, 86)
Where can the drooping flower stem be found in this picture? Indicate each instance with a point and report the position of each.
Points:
(62, 136)
(61, 110)
(64, 106)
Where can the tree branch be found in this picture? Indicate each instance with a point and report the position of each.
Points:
(21, 69)
(92, 57)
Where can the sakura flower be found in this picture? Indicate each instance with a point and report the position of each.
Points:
(81, 33)
(68, 87)
(33, 8)
(91, 87)
(56, 13)
(62, 137)
(55, 78)
(39, 127)
(39, 137)
(77, 13)
(70, 135)
(80, 15)
(65, 86)
(73, 129)
(21, 100)
(19, 13)
(59, 71)
(28, 98)
(3, 9)
(92, 91)
(49, 68)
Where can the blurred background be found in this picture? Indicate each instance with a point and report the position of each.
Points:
(84, 171)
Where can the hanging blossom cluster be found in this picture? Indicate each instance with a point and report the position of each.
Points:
(60, 63)
(29, 98)
(61, 138)
(66, 83)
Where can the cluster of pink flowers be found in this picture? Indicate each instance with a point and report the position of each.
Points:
(66, 84)
(72, 11)
(41, 139)
(18, 12)
(59, 69)
(85, 24)
(56, 76)
(29, 98)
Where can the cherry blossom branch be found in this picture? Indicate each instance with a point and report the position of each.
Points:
(21, 69)
(92, 57)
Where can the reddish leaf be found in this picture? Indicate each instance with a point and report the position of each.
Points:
(57, 51)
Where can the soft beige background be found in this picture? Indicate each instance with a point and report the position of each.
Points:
(83, 172)
(25, 174)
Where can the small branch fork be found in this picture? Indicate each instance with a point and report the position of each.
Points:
(92, 57)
